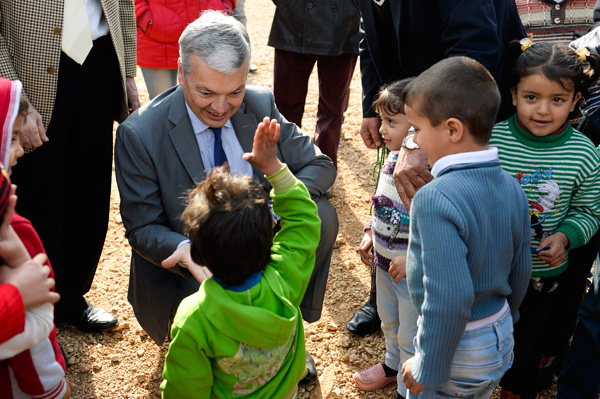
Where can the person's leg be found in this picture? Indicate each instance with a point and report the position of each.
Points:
(240, 14)
(481, 358)
(335, 75)
(312, 303)
(382, 374)
(158, 80)
(580, 376)
(291, 72)
(407, 329)
(64, 187)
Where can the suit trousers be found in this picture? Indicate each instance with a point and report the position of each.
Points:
(291, 73)
(64, 186)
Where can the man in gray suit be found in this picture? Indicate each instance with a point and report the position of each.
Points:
(169, 145)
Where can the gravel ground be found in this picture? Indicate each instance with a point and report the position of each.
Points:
(126, 363)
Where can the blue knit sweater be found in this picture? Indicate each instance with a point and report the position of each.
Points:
(468, 251)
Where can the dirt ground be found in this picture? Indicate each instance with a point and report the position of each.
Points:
(126, 363)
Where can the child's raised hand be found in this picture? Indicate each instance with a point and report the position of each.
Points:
(264, 149)
(556, 253)
(397, 269)
(365, 249)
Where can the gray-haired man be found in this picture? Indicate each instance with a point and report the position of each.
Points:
(168, 145)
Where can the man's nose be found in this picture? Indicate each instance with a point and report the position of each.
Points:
(220, 104)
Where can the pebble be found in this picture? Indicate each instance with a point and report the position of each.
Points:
(97, 367)
(140, 353)
(335, 394)
(84, 368)
(140, 377)
(327, 380)
(332, 326)
(115, 358)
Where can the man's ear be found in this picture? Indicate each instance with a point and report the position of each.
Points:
(180, 77)
(455, 129)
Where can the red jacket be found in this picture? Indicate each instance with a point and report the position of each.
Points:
(161, 22)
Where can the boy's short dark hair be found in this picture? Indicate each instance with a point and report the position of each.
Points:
(457, 87)
(229, 223)
(390, 98)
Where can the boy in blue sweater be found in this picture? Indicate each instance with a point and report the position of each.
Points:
(468, 261)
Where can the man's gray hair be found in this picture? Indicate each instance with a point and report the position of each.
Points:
(219, 40)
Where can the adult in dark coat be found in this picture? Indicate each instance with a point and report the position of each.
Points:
(309, 32)
(402, 38)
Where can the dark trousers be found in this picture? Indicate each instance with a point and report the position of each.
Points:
(547, 320)
(291, 73)
(64, 186)
(580, 376)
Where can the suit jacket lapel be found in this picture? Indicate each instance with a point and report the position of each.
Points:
(245, 127)
(184, 140)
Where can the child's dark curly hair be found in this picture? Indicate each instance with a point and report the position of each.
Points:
(229, 223)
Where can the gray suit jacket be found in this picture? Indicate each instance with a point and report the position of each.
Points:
(158, 160)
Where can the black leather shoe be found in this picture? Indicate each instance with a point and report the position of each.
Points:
(365, 320)
(95, 319)
(311, 371)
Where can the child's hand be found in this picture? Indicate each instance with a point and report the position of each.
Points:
(264, 149)
(397, 269)
(556, 253)
(70, 387)
(365, 248)
(411, 384)
(32, 281)
(12, 250)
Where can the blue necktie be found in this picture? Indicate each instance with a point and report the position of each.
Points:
(219, 152)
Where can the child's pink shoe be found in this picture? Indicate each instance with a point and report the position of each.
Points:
(372, 378)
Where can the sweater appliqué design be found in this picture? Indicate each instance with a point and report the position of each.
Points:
(544, 206)
(388, 218)
(253, 366)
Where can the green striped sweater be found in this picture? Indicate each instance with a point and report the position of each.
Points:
(560, 174)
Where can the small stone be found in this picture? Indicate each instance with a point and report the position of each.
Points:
(84, 368)
(316, 337)
(345, 342)
(115, 358)
(140, 377)
(332, 326)
(120, 327)
(117, 335)
(327, 380)
(335, 394)
(71, 360)
(140, 353)
(97, 367)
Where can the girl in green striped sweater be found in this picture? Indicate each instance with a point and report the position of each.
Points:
(559, 171)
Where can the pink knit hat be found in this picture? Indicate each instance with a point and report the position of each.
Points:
(10, 97)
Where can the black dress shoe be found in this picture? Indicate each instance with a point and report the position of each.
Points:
(365, 320)
(311, 371)
(95, 319)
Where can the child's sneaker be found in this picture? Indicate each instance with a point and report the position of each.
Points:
(373, 378)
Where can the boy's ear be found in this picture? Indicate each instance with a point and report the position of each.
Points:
(456, 129)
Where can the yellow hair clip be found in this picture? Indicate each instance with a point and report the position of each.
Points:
(525, 43)
(583, 53)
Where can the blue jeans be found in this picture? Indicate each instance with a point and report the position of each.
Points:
(580, 376)
(158, 80)
(398, 322)
(481, 359)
